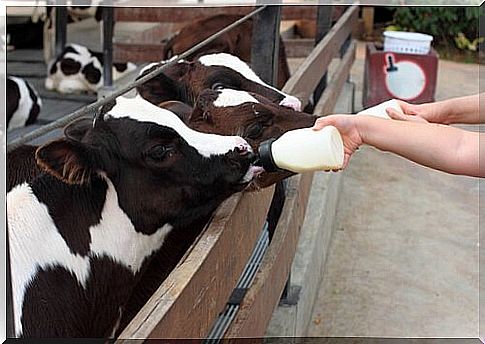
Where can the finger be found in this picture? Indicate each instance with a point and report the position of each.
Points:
(320, 123)
(394, 114)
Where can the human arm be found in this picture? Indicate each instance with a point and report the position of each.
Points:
(440, 147)
(465, 110)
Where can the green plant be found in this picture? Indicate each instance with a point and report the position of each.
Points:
(448, 25)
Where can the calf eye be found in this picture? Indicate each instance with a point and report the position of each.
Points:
(255, 131)
(158, 152)
(218, 86)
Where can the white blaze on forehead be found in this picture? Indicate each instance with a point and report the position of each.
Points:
(141, 110)
(236, 64)
(230, 97)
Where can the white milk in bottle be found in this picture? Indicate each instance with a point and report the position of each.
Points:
(303, 150)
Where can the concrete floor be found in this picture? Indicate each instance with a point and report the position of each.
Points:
(404, 257)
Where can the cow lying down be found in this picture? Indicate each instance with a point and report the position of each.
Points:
(78, 69)
(82, 233)
(23, 103)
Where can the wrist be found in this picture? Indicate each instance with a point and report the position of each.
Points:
(444, 112)
(362, 127)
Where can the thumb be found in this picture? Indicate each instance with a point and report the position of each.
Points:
(321, 122)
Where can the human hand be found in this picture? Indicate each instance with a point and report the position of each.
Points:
(421, 113)
(347, 125)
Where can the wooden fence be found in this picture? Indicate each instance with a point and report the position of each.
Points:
(191, 298)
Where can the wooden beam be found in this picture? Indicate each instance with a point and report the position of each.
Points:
(181, 14)
(330, 95)
(259, 302)
(315, 66)
(190, 299)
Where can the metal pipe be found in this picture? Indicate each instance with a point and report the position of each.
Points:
(108, 46)
(61, 29)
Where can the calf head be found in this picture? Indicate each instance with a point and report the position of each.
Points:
(255, 118)
(184, 81)
(160, 168)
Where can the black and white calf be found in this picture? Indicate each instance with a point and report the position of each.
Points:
(82, 233)
(78, 69)
(23, 103)
(184, 81)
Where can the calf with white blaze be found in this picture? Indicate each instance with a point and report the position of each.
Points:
(23, 103)
(184, 81)
(223, 112)
(114, 189)
(79, 69)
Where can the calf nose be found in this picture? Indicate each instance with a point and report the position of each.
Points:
(291, 102)
(243, 148)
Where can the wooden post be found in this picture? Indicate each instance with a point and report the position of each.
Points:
(108, 46)
(324, 23)
(61, 28)
(368, 16)
(265, 44)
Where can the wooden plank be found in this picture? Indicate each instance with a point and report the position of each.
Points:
(190, 299)
(259, 302)
(368, 17)
(299, 47)
(314, 67)
(180, 14)
(330, 95)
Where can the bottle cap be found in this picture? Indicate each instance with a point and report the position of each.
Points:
(266, 157)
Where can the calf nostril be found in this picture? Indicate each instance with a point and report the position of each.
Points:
(242, 149)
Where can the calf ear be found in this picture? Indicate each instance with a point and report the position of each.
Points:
(182, 110)
(67, 160)
(76, 130)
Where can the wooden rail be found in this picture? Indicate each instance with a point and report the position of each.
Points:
(260, 301)
(181, 14)
(199, 287)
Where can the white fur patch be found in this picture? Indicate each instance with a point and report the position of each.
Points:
(36, 243)
(230, 97)
(141, 110)
(21, 115)
(236, 64)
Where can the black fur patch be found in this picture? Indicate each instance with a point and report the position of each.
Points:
(92, 74)
(73, 208)
(56, 305)
(35, 109)
(21, 166)
(13, 98)
(70, 66)
(120, 67)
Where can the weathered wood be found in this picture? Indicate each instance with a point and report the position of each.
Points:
(261, 299)
(190, 299)
(368, 17)
(330, 95)
(312, 69)
(300, 47)
(180, 14)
